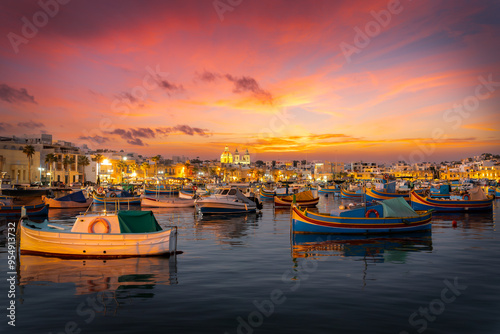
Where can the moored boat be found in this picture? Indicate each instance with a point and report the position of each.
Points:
(118, 234)
(15, 210)
(344, 193)
(476, 200)
(134, 200)
(226, 200)
(390, 216)
(303, 199)
(70, 201)
(148, 202)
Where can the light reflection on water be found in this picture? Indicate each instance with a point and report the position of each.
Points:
(331, 284)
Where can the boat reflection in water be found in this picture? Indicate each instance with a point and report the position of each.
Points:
(373, 248)
(125, 278)
(228, 229)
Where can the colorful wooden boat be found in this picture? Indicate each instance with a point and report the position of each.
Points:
(119, 234)
(380, 195)
(135, 200)
(497, 192)
(303, 199)
(70, 201)
(32, 210)
(344, 193)
(162, 190)
(465, 204)
(390, 216)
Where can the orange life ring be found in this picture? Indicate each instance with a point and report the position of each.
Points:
(367, 215)
(100, 190)
(112, 195)
(99, 220)
(466, 195)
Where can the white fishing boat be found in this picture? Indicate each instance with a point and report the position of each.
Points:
(226, 200)
(116, 234)
(148, 202)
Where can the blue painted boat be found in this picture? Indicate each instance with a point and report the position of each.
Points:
(329, 190)
(269, 194)
(344, 193)
(31, 210)
(161, 190)
(390, 216)
(465, 204)
(380, 195)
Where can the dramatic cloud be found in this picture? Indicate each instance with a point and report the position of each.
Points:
(241, 85)
(31, 125)
(96, 139)
(208, 76)
(13, 95)
(186, 129)
(168, 86)
(4, 126)
(247, 84)
(133, 135)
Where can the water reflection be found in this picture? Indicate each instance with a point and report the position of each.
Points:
(229, 229)
(373, 248)
(126, 278)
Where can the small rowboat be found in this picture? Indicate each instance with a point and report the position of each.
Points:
(119, 234)
(270, 194)
(465, 204)
(147, 202)
(303, 199)
(394, 215)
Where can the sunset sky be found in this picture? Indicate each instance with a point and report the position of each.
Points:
(334, 80)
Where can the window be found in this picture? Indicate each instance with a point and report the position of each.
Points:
(232, 192)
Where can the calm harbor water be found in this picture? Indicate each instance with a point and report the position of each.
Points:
(248, 274)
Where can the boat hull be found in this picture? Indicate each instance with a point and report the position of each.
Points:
(175, 203)
(349, 194)
(55, 204)
(70, 244)
(31, 210)
(207, 207)
(117, 200)
(281, 202)
(425, 203)
(305, 222)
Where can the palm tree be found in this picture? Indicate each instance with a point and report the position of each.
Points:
(145, 167)
(83, 161)
(259, 174)
(156, 160)
(98, 158)
(50, 159)
(67, 161)
(29, 150)
(123, 166)
(186, 165)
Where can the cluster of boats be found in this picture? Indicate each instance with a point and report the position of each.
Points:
(382, 209)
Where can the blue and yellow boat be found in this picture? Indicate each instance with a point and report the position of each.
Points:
(390, 216)
(465, 204)
(347, 194)
(102, 199)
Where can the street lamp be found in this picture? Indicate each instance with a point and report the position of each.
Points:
(41, 169)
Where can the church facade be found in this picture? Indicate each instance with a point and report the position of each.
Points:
(234, 158)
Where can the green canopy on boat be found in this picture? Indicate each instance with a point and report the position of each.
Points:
(138, 222)
(397, 207)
